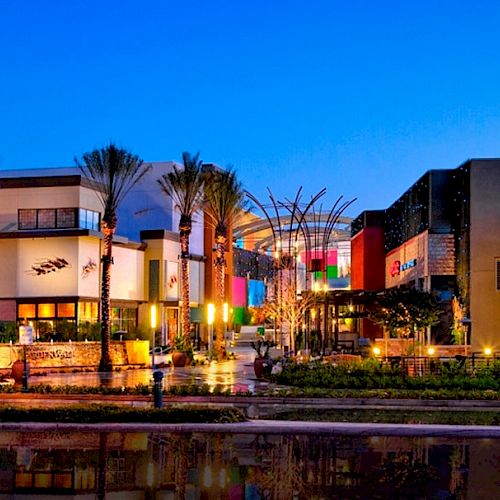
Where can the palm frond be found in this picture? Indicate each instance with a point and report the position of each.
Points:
(116, 171)
(225, 199)
(185, 186)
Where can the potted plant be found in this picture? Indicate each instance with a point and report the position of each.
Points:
(262, 364)
(182, 351)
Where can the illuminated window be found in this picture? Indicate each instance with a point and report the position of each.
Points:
(46, 310)
(26, 311)
(66, 310)
(87, 311)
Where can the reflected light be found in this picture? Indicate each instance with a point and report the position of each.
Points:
(225, 313)
(150, 475)
(207, 476)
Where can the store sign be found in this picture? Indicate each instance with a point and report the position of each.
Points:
(25, 335)
(396, 267)
(408, 265)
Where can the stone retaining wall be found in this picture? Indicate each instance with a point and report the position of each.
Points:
(75, 354)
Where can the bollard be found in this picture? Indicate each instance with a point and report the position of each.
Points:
(158, 389)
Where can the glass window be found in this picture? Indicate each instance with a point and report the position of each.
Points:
(95, 221)
(46, 310)
(26, 311)
(46, 218)
(87, 311)
(66, 217)
(27, 218)
(66, 310)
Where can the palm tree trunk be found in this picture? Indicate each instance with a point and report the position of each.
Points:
(220, 267)
(105, 364)
(186, 320)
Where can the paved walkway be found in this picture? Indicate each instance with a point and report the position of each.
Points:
(236, 375)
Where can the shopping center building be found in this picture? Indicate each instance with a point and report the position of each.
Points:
(442, 235)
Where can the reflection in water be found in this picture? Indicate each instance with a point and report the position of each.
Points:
(245, 466)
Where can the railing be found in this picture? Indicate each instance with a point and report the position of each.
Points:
(433, 365)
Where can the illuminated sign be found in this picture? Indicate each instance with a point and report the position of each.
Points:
(396, 267)
(408, 265)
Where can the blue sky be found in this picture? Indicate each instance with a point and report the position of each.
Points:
(360, 97)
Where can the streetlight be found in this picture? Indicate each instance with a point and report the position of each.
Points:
(153, 328)
(210, 321)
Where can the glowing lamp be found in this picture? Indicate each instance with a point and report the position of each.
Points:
(210, 314)
(487, 351)
(153, 315)
(376, 351)
(431, 351)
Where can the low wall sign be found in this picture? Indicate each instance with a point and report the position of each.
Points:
(396, 267)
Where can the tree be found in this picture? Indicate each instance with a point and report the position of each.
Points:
(185, 187)
(224, 203)
(115, 171)
(406, 311)
(289, 309)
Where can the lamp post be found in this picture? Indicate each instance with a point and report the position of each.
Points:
(153, 328)
(210, 321)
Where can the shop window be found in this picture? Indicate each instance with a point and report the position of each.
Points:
(26, 311)
(87, 311)
(89, 219)
(46, 310)
(66, 217)
(46, 218)
(27, 219)
(66, 310)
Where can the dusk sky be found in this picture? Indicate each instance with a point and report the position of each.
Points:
(358, 97)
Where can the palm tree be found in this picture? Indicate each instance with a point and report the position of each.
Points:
(224, 203)
(115, 171)
(185, 187)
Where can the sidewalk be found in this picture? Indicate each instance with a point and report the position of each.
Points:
(235, 375)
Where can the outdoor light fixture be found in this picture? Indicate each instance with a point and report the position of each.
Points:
(153, 328)
(317, 286)
(487, 351)
(376, 351)
(153, 316)
(210, 321)
(210, 314)
(325, 287)
(431, 351)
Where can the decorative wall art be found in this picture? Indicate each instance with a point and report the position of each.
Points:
(46, 266)
(88, 268)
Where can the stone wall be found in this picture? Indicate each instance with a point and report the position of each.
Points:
(75, 354)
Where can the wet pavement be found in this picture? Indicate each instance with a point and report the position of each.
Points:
(237, 375)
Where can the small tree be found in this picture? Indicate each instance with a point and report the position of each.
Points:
(289, 310)
(407, 312)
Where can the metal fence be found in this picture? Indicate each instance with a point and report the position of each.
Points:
(433, 365)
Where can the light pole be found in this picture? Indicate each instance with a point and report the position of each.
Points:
(210, 321)
(153, 328)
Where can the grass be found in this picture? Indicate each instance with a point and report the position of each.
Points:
(394, 416)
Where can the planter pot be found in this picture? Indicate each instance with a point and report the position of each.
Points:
(262, 366)
(179, 359)
(18, 371)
